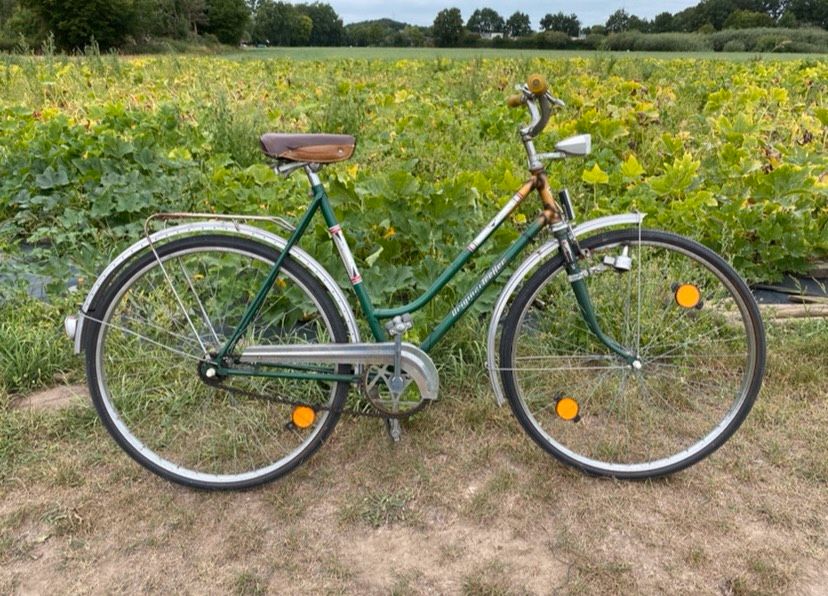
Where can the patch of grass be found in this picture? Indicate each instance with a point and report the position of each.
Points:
(696, 556)
(65, 521)
(403, 583)
(34, 352)
(490, 580)
(595, 576)
(487, 502)
(381, 509)
(35, 440)
(68, 473)
(244, 539)
(248, 583)
(14, 547)
(14, 544)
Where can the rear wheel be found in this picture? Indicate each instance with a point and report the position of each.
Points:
(685, 314)
(145, 363)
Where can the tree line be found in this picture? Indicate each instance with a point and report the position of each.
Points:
(706, 17)
(116, 23)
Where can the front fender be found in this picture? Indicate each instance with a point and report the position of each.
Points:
(537, 257)
(223, 227)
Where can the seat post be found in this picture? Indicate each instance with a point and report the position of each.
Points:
(313, 178)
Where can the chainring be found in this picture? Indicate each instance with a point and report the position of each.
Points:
(376, 386)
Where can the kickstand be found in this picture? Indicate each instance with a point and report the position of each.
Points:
(392, 425)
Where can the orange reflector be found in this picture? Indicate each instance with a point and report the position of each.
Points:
(567, 408)
(303, 416)
(688, 296)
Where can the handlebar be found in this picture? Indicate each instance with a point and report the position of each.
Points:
(534, 94)
(514, 101)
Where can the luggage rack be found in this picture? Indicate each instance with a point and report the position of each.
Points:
(176, 215)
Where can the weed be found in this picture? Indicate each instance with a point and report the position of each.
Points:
(491, 580)
(65, 521)
(382, 509)
(248, 583)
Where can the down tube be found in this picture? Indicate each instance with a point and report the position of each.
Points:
(494, 271)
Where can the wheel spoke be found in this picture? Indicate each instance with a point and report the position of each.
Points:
(147, 355)
(698, 376)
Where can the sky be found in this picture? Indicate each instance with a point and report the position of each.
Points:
(422, 12)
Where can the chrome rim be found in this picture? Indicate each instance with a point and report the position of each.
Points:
(212, 424)
(636, 421)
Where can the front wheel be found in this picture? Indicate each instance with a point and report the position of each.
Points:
(173, 309)
(687, 316)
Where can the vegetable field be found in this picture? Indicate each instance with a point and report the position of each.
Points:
(731, 153)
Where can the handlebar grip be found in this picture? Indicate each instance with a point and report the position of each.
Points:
(514, 101)
(537, 84)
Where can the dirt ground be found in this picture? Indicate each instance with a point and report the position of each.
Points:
(465, 504)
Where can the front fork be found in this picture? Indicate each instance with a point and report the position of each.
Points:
(576, 276)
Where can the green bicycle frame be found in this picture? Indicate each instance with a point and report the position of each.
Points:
(373, 315)
(321, 202)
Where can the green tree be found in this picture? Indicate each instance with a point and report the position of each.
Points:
(327, 26)
(773, 8)
(485, 20)
(618, 21)
(413, 37)
(75, 22)
(638, 24)
(747, 19)
(227, 20)
(568, 24)
(280, 24)
(192, 13)
(168, 18)
(448, 27)
(663, 23)
(788, 20)
(22, 21)
(518, 25)
(810, 12)
(689, 19)
(595, 30)
(716, 12)
(7, 8)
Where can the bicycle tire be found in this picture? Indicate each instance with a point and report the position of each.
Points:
(171, 421)
(630, 436)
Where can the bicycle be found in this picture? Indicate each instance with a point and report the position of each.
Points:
(220, 354)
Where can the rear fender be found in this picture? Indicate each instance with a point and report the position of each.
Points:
(222, 227)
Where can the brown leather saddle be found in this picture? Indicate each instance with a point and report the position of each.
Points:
(312, 148)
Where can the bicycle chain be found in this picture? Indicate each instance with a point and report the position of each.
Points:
(218, 384)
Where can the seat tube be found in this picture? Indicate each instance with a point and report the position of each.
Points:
(354, 276)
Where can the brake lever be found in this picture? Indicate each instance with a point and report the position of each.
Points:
(555, 100)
